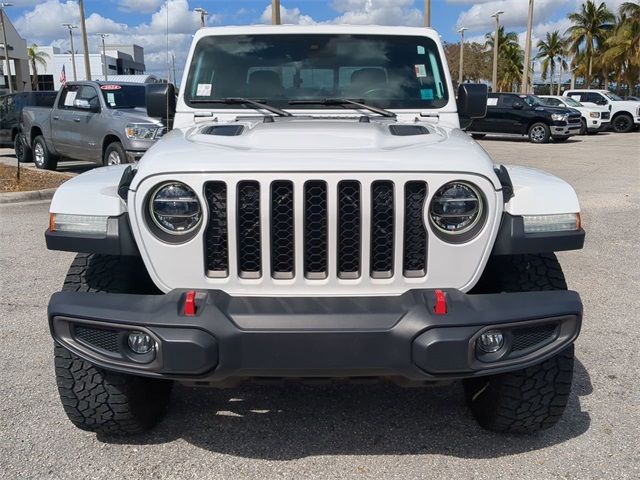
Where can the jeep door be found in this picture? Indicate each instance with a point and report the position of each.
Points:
(86, 127)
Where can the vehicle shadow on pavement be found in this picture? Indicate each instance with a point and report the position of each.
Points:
(499, 138)
(290, 422)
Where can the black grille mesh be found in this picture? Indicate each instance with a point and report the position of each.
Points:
(382, 224)
(415, 235)
(282, 229)
(524, 338)
(315, 229)
(216, 240)
(249, 240)
(98, 337)
(349, 225)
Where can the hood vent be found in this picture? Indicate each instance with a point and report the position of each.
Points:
(408, 130)
(223, 130)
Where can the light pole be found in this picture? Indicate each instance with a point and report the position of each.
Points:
(85, 42)
(6, 45)
(104, 54)
(527, 51)
(460, 75)
(427, 13)
(275, 12)
(203, 13)
(73, 53)
(494, 82)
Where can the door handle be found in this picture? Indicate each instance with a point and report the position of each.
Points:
(77, 120)
(56, 118)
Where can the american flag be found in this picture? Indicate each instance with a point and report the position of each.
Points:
(63, 77)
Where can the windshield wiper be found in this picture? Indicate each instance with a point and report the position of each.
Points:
(245, 101)
(342, 102)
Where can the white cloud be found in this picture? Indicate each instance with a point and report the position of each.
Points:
(140, 6)
(287, 16)
(377, 12)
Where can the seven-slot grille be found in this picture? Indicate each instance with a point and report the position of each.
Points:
(273, 211)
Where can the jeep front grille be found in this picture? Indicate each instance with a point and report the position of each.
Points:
(379, 222)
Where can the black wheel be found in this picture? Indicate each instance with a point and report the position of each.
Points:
(560, 139)
(478, 136)
(42, 157)
(533, 398)
(583, 126)
(114, 154)
(539, 133)
(96, 399)
(622, 123)
(23, 151)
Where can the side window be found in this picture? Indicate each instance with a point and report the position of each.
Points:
(506, 101)
(554, 102)
(89, 94)
(67, 97)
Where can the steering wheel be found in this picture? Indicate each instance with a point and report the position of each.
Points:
(376, 91)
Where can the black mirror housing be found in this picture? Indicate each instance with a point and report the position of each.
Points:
(518, 105)
(161, 101)
(472, 100)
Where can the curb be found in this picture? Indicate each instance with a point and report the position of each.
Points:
(32, 196)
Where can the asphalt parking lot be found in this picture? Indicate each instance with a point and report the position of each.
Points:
(359, 431)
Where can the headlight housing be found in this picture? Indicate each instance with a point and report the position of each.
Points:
(174, 209)
(558, 117)
(143, 131)
(457, 211)
(594, 114)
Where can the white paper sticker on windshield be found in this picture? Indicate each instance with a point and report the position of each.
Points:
(492, 102)
(204, 90)
(421, 50)
(421, 71)
(71, 96)
(111, 98)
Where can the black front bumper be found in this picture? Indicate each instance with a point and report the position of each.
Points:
(234, 337)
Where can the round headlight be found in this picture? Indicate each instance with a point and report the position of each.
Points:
(456, 208)
(175, 208)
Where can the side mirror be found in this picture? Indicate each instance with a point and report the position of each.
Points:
(161, 101)
(518, 105)
(472, 102)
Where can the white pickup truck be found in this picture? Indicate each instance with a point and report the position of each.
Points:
(625, 114)
(316, 212)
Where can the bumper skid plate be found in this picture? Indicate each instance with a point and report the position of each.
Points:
(234, 337)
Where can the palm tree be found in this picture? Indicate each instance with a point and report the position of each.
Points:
(552, 50)
(36, 57)
(589, 29)
(622, 48)
(510, 58)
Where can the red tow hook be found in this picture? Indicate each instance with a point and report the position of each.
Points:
(441, 303)
(190, 303)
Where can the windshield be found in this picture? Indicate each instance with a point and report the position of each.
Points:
(123, 96)
(571, 102)
(381, 70)
(612, 96)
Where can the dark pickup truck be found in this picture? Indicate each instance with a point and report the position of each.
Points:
(511, 113)
(10, 110)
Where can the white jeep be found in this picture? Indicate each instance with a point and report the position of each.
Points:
(316, 211)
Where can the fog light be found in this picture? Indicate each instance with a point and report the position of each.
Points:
(141, 343)
(491, 341)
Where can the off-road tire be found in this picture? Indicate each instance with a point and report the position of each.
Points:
(96, 399)
(622, 123)
(539, 133)
(114, 148)
(534, 398)
(23, 151)
(48, 161)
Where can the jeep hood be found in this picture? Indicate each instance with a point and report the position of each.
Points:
(315, 144)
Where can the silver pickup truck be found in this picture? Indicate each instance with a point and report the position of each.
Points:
(101, 122)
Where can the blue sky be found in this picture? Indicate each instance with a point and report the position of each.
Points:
(144, 21)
